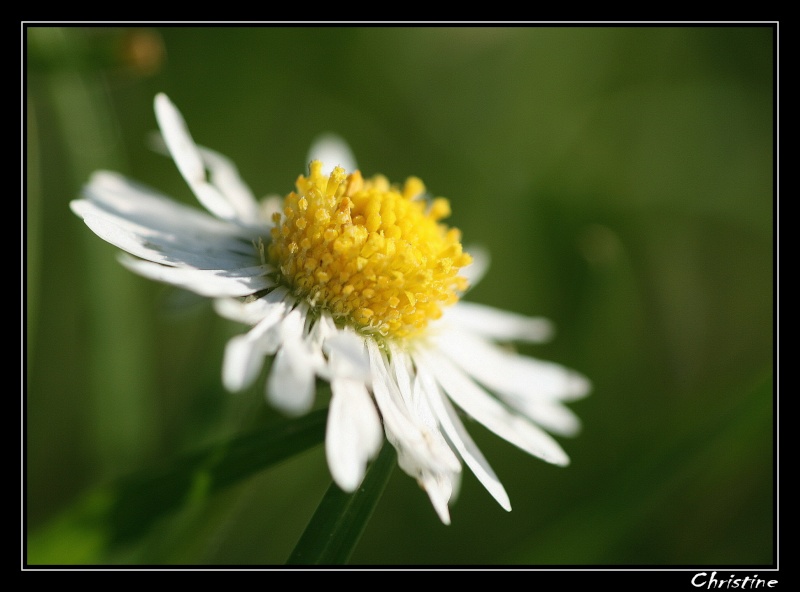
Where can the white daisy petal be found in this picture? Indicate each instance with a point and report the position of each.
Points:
(475, 271)
(402, 376)
(482, 407)
(509, 374)
(269, 205)
(347, 356)
(215, 283)
(241, 363)
(353, 436)
(161, 246)
(290, 387)
(499, 324)
(439, 487)
(399, 421)
(332, 151)
(420, 450)
(244, 354)
(275, 304)
(225, 176)
(188, 158)
(552, 416)
(147, 207)
(461, 440)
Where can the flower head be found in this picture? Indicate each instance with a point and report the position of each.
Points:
(355, 281)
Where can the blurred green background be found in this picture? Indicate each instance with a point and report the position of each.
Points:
(622, 179)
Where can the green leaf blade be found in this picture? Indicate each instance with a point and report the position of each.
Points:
(143, 498)
(336, 527)
(115, 515)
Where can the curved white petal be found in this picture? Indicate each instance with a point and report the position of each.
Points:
(143, 205)
(291, 383)
(482, 407)
(332, 151)
(508, 373)
(225, 176)
(188, 158)
(353, 435)
(168, 245)
(497, 324)
(206, 282)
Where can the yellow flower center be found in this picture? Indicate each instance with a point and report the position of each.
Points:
(372, 254)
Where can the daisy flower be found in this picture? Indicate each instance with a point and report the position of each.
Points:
(355, 281)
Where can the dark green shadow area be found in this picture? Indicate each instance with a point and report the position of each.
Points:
(119, 514)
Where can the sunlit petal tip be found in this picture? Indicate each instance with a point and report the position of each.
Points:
(176, 137)
(439, 489)
(578, 386)
(558, 459)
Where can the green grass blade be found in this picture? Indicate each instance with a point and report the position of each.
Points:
(340, 519)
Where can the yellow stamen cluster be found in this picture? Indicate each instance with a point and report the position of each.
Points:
(370, 253)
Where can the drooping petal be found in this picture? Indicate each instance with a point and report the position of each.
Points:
(353, 436)
(241, 363)
(422, 452)
(291, 383)
(461, 440)
(244, 354)
(290, 387)
(148, 207)
(402, 376)
(420, 448)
